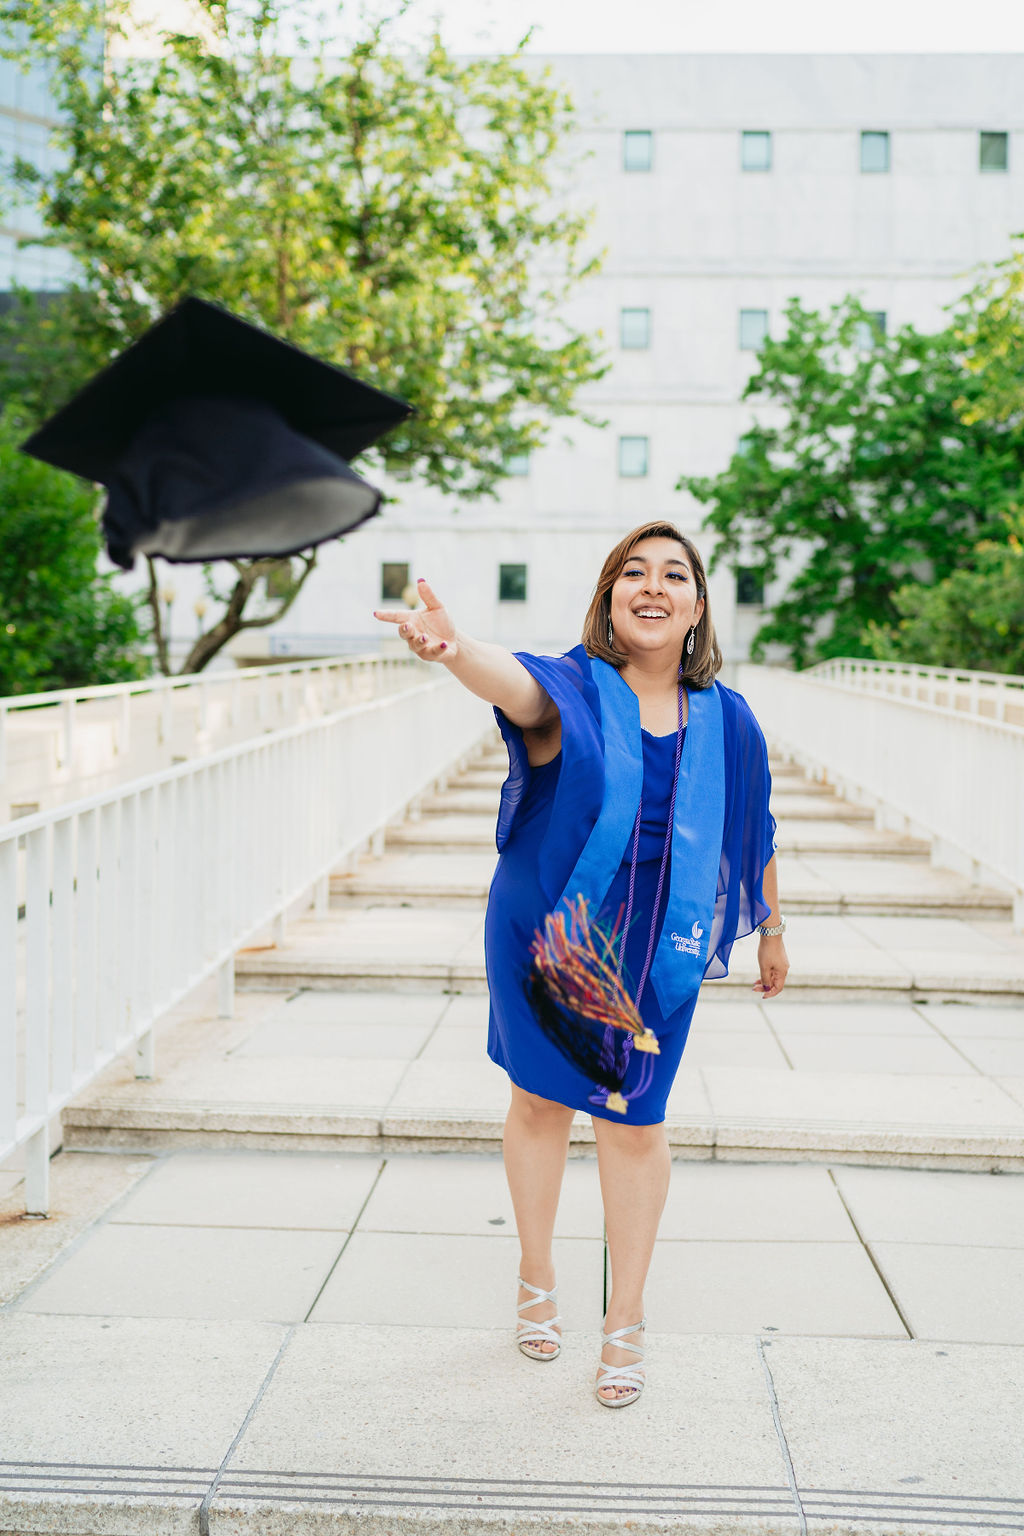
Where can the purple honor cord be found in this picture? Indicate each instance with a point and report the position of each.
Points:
(608, 1045)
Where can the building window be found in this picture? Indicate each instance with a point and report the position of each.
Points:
(635, 328)
(632, 457)
(753, 329)
(749, 587)
(874, 151)
(637, 150)
(517, 464)
(394, 578)
(871, 330)
(994, 152)
(755, 151)
(745, 445)
(512, 583)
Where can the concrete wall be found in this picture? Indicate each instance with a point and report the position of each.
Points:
(695, 240)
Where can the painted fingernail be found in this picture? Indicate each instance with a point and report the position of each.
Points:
(444, 645)
(419, 579)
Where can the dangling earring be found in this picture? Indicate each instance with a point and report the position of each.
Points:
(689, 643)
(611, 636)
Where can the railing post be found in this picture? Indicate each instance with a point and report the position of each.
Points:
(166, 713)
(3, 740)
(8, 988)
(226, 989)
(68, 731)
(124, 734)
(37, 1172)
(37, 1018)
(145, 1056)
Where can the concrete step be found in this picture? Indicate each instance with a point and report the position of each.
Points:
(842, 884)
(458, 830)
(792, 804)
(441, 949)
(929, 1085)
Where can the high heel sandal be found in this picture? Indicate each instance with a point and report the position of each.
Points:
(631, 1376)
(529, 1334)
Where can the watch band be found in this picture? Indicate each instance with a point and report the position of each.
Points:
(772, 933)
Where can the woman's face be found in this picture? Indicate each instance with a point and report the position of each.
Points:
(654, 599)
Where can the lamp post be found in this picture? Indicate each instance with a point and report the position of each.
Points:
(199, 607)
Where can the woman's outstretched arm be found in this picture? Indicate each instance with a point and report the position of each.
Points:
(489, 671)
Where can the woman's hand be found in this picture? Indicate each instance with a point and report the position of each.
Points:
(773, 963)
(429, 631)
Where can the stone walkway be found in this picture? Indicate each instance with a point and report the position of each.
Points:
(276, 1291)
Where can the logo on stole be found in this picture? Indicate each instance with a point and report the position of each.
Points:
(688, 944)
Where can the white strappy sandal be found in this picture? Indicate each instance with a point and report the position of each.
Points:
(529, 1335)
(631, 1376)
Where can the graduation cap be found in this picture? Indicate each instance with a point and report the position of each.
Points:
(217, 440)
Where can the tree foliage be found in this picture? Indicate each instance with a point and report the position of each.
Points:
(389, 210)
(62, 625)
(869, 472)
(990, 333)
(972, 619)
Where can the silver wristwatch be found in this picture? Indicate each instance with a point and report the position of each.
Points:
(772, 933)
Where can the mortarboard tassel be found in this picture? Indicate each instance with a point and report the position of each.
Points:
(577, 994)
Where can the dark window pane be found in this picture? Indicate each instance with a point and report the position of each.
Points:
(994, 152)
(635, 328)
(871, 330)
(756, 151)
(394, 578)
(633, 457)
(874, 151)
(749, 587)
(517, 464)
(512, 583)
(637, 150)
(753, 329)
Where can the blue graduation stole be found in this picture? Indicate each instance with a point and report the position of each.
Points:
(697, 829)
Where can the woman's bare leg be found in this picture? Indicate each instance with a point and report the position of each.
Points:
(634, 1164)
(536, 1144)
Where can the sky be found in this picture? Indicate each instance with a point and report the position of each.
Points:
(729, 26)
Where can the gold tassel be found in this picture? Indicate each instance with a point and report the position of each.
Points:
(647, 1041)
(617, 1102)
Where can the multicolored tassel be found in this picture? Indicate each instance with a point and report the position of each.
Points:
(577, 993)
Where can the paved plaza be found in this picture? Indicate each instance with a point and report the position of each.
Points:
(276, 1290)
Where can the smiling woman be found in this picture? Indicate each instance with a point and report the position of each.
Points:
(636, 845)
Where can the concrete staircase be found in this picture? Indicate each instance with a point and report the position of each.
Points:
(895, 1040)
(275, 1295)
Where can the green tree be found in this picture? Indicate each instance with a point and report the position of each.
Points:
(62, 625)
(390, 210)
(867, 472)
(972, 619)
(990, 332)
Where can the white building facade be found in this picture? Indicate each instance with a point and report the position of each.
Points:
(723, 185)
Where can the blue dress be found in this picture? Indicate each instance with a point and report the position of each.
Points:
(546, 816)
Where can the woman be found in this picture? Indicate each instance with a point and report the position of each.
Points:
(640, 785)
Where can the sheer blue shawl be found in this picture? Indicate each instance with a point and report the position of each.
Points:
(748, 837)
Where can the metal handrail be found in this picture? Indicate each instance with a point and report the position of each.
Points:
(114, 907)
(989, 695)
(281, 677)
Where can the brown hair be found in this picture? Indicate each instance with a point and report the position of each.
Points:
(698, 670)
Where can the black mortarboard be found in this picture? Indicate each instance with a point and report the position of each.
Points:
(216, 440)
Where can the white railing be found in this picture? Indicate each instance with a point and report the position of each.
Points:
(988, 695)
(941, 772)
(133, 897)
(60, 746)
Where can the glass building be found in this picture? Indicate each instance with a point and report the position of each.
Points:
(27, 119)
